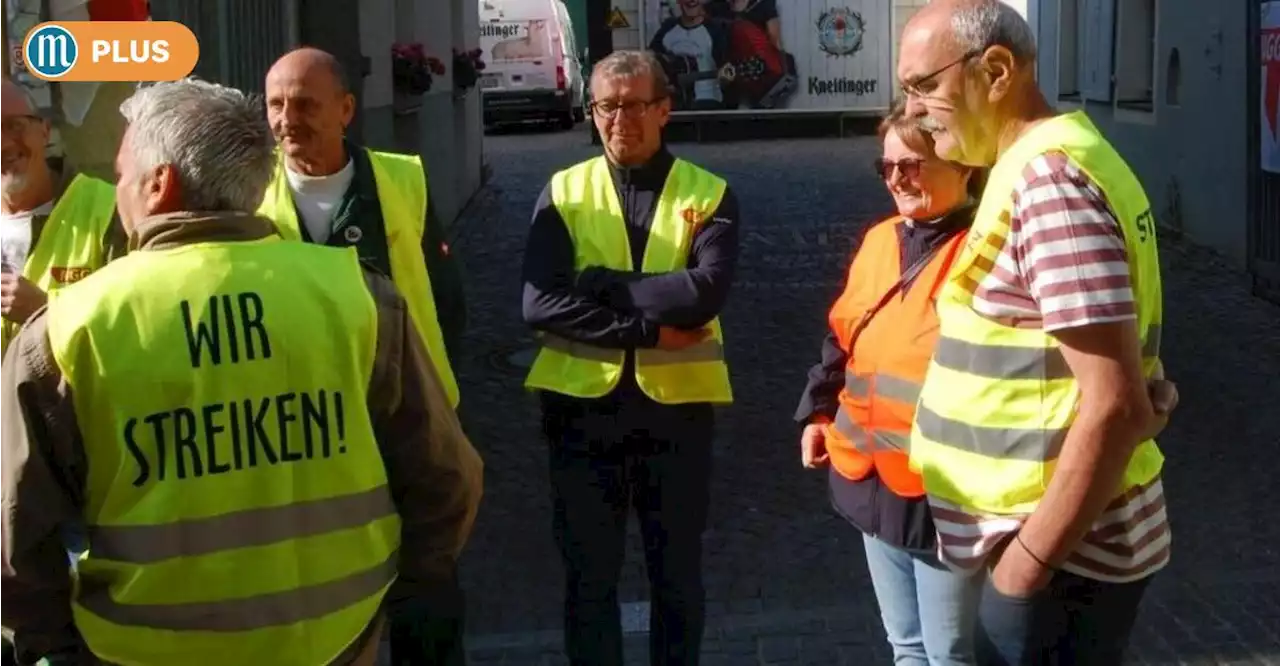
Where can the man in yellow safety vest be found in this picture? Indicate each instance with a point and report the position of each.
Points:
(627, 267)
(1035, 423)
(328, 191)
(250, 428)
(56, 226)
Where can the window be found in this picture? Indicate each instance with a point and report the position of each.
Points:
(1096, 27)
(1068, 49)
(1135, 54)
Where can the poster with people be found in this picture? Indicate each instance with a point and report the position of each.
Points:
(1270, 97)
(753, 55)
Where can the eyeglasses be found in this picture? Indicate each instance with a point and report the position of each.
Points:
(630, 108)
(916, 88)
(909, 167)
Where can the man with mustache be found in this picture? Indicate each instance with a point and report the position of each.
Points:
(57, 226)
(1034, 431)
(330, 191)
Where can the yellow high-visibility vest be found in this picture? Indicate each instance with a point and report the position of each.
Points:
(402, 196)
(70, 244)
(998, 400)
(585, 197)
(236, 499)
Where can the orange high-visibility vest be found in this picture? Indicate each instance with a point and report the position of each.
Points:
(887, 361)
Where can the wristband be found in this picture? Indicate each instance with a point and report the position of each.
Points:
(1018, 537)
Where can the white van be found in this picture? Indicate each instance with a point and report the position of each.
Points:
(533, 68)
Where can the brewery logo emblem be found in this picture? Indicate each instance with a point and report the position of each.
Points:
(840, 31)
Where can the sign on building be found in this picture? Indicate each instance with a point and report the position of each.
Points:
(1270, 97)
(617, 20)
(762, 55)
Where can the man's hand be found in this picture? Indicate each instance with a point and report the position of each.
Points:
(1164, 399)
(1018, 574)
(675, 339)
(19, 298)
(813, 446)
(591, 282)
(1164, 396)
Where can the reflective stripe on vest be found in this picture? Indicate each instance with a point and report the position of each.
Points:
(402, 196)
(70, 244)
(236, 500)
(998, 400)
(886, 363)
(888, 387)
(705, 351)
(242, 615)
(585, 197)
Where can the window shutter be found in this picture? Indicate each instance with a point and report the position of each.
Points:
(1097, 53)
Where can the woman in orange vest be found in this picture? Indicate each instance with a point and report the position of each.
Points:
(860, 400)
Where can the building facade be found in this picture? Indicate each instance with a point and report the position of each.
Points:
(1167, 82)
(444, 124)
(239, 39)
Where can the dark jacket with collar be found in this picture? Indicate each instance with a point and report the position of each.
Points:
(624, 309)
(360, 208)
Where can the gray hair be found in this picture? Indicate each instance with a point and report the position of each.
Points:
(628, 64)
(217, 138)
(986, 23)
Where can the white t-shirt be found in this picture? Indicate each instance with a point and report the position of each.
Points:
(695, 42)
(15, 236)
(317, 198)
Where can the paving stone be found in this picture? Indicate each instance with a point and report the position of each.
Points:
(778, 648)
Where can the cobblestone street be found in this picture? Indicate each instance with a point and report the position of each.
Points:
(786, 578)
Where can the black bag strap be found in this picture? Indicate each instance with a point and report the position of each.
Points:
(907, 276)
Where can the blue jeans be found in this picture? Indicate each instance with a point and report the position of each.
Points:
(1074, 620)
(928, 610)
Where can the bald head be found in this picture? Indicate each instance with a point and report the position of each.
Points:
(309, 106)
(15, 101)
(967, 68)
(968, 26)
(309, 61)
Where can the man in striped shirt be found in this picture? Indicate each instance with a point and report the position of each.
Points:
(1068, 574)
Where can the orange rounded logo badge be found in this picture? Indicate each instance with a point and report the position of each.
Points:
(110, 51)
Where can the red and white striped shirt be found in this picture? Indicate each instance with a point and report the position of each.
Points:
(1063, 265)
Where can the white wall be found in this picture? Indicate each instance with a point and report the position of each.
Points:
(630, 37)
(1190, 153)
(904, 9)
(1021, 5)
(467, 111)
(377, 28)
(445, 130)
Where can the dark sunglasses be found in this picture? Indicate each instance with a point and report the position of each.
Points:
(909, 167)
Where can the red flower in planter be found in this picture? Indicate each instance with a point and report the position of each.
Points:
(412, 69)
(467, 66)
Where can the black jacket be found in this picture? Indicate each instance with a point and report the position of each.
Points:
(868, 504)
(624, 309)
